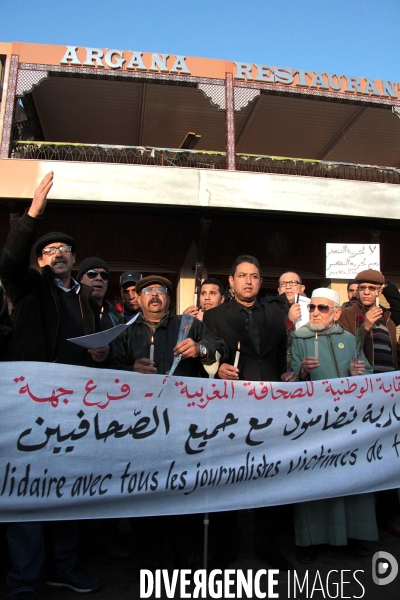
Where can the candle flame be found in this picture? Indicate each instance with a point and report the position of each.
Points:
(152, 339)
(316, 336)
(238, 345)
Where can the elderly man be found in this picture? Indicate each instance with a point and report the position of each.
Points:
(49, 307)
(381, 350)
(336, 521)
(211, 295)
(379, 328)
(127, 284)
(95, 273)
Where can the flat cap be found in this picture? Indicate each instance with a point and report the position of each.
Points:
(91, 263)
(370, 276)
(145, 281)
(54, 236)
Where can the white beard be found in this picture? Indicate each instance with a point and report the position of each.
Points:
(322, 327)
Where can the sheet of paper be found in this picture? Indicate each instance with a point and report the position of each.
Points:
(344, 261)
(103, 338)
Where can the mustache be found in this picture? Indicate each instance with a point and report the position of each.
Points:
(59, 259)
(154, 300)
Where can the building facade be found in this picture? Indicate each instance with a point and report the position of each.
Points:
(163, 163)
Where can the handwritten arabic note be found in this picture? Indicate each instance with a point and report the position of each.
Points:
(344, 261)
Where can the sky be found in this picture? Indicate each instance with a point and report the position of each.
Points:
(349, 37)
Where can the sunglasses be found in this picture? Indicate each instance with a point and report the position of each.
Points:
(92, 274)
(322, 308)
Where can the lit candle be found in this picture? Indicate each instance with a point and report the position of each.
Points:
(237, 356)
(316, 345)
(152, 349)
(377, 301)
(195, 300)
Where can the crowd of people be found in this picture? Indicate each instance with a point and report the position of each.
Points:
(49, 306)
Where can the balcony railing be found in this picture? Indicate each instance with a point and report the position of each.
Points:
(166, 157)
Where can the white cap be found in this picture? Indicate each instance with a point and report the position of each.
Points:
(326, 293)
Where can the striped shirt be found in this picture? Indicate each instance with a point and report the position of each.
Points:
(383, 358)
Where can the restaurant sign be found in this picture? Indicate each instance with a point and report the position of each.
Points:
(258, 73)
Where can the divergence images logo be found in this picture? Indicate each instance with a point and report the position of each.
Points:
(384, 568)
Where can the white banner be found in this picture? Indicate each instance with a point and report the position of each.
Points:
(81, 443)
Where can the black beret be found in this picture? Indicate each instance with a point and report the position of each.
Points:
(54, 236)
(91, 263)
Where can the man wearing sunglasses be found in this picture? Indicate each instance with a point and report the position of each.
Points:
(49, 307)
(337, 521)
(95, 273)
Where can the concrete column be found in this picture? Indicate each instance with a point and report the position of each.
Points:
(185, 288)
(340, 286)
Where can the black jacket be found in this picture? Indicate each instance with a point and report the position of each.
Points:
(134, 343)
(35, 300)
(268, 365)
(392, 295)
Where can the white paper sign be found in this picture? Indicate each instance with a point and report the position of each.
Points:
(78, 442)
(344, 261)
(103, 338)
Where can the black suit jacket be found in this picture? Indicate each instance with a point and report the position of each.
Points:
(267, 365)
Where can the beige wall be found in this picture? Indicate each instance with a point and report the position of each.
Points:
(200, 187)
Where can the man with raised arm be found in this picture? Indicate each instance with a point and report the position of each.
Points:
(49, 307)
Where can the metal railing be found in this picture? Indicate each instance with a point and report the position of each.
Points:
(137, 155)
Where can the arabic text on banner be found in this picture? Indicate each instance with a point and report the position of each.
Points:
(81, 443)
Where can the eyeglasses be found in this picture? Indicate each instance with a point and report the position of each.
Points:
(364, 288)
(322, 308)
(158, 290)
(92, 274)
(291, 283)
(53, 249)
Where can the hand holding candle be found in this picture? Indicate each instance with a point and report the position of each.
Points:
(237, 356)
